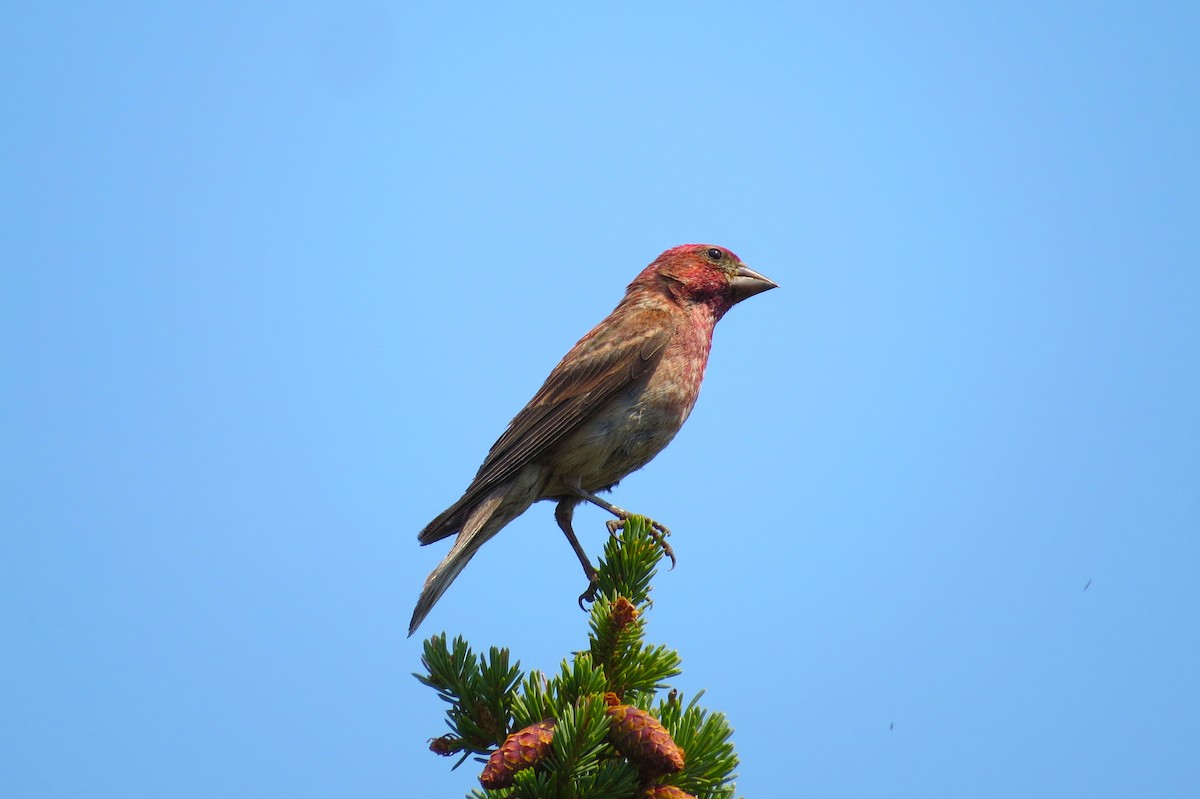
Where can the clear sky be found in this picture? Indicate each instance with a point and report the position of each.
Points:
(275, 276)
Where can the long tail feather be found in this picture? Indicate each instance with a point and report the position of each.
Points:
(485, 520)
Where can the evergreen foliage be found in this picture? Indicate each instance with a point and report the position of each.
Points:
(601, 728)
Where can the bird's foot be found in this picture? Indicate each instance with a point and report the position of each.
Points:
(658, 532)
(590, 594)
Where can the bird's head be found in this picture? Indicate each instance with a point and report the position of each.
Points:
(703, 274)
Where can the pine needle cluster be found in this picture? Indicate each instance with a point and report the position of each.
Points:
(606, 726)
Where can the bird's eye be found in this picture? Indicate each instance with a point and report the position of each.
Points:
(714, 254)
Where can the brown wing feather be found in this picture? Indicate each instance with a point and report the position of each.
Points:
(603, 363)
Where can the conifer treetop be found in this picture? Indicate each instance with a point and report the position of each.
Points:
(606, 726)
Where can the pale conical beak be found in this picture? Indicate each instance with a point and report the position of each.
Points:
(747, 283)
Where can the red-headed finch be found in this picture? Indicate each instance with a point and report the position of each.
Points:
(613, 402)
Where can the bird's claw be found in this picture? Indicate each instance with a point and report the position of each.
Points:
(658, 532)
(590, 594)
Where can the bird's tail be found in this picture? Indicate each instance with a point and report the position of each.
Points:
(486, 519)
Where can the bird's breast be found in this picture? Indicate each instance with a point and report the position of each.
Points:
(625, 433)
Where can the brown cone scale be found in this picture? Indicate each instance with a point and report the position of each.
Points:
(521, 750)
(664, 792)
(643, 739)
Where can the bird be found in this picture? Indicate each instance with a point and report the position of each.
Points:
(613, 402)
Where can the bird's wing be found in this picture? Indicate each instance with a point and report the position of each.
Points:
(603, 363)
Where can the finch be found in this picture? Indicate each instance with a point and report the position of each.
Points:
(613, 402)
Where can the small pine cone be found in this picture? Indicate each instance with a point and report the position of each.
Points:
(642, 739)
(624, 613)
(521, 750)
(487, 722)
(446, 745)
(664, 792)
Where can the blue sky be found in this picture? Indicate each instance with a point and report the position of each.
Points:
(276, 276)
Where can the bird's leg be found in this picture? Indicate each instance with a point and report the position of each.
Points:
(563, 513)
(658, 532)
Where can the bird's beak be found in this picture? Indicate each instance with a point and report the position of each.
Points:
(747, 283)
